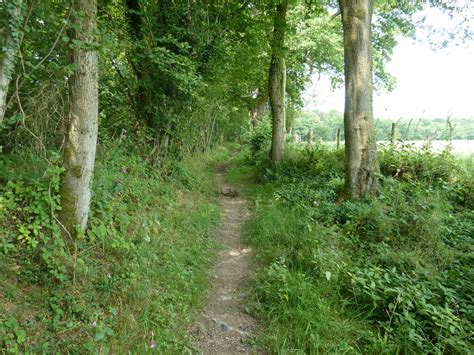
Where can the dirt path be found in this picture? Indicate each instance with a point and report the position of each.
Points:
(224, 327)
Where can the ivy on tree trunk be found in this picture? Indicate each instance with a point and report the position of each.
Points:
(277, 83)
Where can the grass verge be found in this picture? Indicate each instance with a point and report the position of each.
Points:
(136, 280)
(389, 274)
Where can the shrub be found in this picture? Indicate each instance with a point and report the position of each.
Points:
(259, 140)
(31, 234)
(410, 163)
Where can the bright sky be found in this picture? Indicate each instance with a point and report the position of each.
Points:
(429, 84)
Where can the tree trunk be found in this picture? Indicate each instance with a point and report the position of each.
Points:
(81, 139)
(359, 129)
(277, 83)
(10, 37)
(257, 111)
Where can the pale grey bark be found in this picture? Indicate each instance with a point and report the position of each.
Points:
(257, 110)
(277, 83)
(359, 129)
(81, 139)
(8, 52)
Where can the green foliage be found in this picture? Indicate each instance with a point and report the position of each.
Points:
(149, 239)
(285, 296)
(259, 140)
(389, 274)
(176, 79)
(315, 41)
(11, 24)
(416, 314)
(31, 234)
(15, 336)
(407, 163)
(325, 125)
(443, 170)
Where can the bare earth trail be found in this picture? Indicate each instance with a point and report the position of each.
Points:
(224, 327)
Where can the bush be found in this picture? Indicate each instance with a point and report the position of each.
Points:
(259, 140)
(31, 234)
(410, 163)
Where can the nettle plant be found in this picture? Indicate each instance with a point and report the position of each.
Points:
(30, 229)
(423, 313)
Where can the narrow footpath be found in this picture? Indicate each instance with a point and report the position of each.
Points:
(224, 327)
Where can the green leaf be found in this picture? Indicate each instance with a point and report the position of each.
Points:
(99, 335)
(20, 336)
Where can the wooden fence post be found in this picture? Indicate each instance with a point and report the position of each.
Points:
(393, 135)
(309, 137)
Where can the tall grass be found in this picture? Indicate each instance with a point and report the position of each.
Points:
(382, 275)
(139, 271)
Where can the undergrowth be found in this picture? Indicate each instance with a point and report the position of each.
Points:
(134, 283)
(389, 274)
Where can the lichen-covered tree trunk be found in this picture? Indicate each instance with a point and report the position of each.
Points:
(81, 139)
(277, 83)
(10, 34)
(360, 145)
